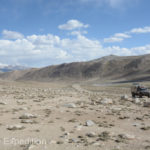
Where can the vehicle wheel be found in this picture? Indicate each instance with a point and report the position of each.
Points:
(133, 95)
(140, 95)
(149, 96)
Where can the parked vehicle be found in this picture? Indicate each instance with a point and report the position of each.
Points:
(139, 90)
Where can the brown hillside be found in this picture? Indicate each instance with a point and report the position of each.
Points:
(109, 67)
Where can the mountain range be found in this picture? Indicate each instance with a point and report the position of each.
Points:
(8, 68)
(126, 68)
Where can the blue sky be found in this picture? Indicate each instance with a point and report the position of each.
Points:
(44, 32)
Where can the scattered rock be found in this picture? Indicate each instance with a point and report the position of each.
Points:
(146, 104)
(73, 141)
(80, 137)
(147, 147)
(37, 100)
(120, 139)
(21, 102)
(3, 103)
(89, 123)
(136, 101)
(51, 121)
(60, 142)
(116, 109)
(28, 121)
(24, 108)
(70, 105)
(129, 137)
(106, 101)
(47, 112)
(62, 129)
(79, 127)
(27, 146)
(104, 124)
(124, 97)
(104, 136)
(123, 137)
(15, 127)
(30, 147)
(67, 133)
(136, 124)
(27, 116)
(139, 118)
(91, 134)
(96, 143)
(145, 128)
(124, 117)
(72, 120)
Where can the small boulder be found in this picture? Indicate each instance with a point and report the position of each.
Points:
(126, 136)
(73, 140)
(78, 127)
(60, 142)
(27, 116)
(3, 103)
(145, 128)
(124, 97)
(70, 105)
(136, 101)
(89, 123)
(106, 101)
(15, 127)
(146, 104)
(104, 136)
(91, 134)
(28, 121)
(129, 137)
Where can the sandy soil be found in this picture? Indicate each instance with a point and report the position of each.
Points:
(59, 116)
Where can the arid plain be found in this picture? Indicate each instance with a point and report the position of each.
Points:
(64, 116)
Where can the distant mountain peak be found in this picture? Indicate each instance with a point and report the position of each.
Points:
(8, 68)
(3, 65)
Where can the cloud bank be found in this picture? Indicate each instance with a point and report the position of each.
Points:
(47, 49)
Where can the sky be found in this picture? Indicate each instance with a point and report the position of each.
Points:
(38, 33)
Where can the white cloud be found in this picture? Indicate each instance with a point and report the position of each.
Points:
(48, 39)
(7, 34)
(73, 24)
(141, 50)
(116, 4)
(63, 55)
(140, 30)
(113, 39)
(42, 50)
(82, 47)
(116, 50)
(122, 51)
(122, 35)
(118, 37)
(78, 33)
